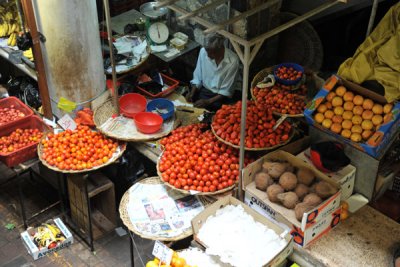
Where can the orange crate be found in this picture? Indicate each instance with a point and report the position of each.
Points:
(23, 154)
(172, 85)
(19, 105)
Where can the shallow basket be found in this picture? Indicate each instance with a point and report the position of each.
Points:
(116, 155)
(124, 215)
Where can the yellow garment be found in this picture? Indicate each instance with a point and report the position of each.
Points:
(378, 57)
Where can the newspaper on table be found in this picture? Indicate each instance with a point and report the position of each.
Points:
(156, 210)
(125, 128)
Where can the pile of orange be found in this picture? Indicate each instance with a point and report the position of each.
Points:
(175, 262)
(351, 115)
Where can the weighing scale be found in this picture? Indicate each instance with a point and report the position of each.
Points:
(157, 31)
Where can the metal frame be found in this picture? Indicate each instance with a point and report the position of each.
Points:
(247, 53)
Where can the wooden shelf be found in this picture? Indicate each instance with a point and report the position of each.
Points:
(100, 224)
(4, 52)
(98, 183)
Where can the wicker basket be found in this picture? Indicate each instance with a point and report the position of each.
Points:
(123, 211)
(107, 110)
(116, 155)
(260, 76)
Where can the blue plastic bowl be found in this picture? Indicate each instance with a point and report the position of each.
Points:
(161, 104)
(288, 65)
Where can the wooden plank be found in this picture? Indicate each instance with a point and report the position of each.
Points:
(254, 51)
(165, 3)
(242, 16)
(202, 9)
(208, 24)
(293, 22)
(101, 223)
(98, 183)
(238, 50)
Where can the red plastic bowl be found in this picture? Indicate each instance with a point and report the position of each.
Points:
(148, 122)
(131, 104)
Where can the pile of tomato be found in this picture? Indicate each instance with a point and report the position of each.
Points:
(79, 149)
(282, 101)
(18, 139)
(259, 124)
(288, 73)
(195, 160)
(10, 114)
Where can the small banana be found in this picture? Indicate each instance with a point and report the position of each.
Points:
(28, 54)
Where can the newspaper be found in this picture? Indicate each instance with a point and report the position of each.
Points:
(156, 210)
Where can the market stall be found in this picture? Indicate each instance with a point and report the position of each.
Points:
(294, 193)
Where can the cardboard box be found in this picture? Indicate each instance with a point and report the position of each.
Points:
(201, 218)
(314, 223)
(345, 177)
(378, 142)
(34, 250)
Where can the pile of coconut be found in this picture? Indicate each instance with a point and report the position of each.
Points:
(295, 188)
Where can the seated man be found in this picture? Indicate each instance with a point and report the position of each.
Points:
(214, 76)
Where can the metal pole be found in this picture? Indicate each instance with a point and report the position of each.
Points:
(372, 17)
(246, 65)
(110, 44)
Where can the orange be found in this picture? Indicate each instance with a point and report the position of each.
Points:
(330, 96)
(345, 205)
(367, 125)
(327, 123)
(358, 100)
(346, 133)
(347, 115)
(358, 110)
(319, 117)
(338, 110)
(337, 119)
(356, 119)
(348, 96)
(356, 129)
(377, 109)
(355, 137)
(328, 105)
(336, 128)
(348, 105)
(329, 114)
(180, 262)
(377, 120)
(344, 215)
(387, 108)
(347, 124)
(367, 114)
(341, 90)
(322, 108)
(368, 104)
(337, 101)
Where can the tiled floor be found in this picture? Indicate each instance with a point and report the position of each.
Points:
(111, 250)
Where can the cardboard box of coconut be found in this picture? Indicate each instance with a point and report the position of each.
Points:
(354, 115)
(345, 177)
(201, 218)
(315, 221)
(55, 237)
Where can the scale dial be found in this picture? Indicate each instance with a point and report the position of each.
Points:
(158, 32)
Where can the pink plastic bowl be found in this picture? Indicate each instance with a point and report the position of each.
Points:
(131, 104)
(148, 122)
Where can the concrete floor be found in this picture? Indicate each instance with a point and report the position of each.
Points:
(110, 250)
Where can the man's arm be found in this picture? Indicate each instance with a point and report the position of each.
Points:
(203, 103)
(196, 82)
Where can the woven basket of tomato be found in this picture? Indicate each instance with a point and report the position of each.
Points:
(77, 151)
(194, 161)
(259, 127)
